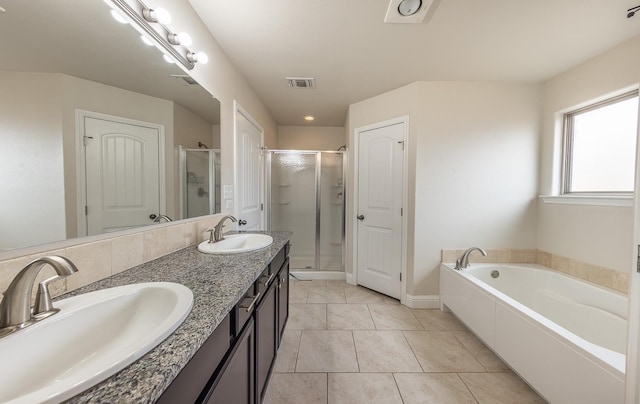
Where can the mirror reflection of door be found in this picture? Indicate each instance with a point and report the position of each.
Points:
(122, 166)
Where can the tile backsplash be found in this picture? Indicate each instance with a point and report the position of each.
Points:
(601, 276)
(110, 255)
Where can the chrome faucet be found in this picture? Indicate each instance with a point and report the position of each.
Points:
(216, 232)
(160, 217)
(463, 262)
(15, 308)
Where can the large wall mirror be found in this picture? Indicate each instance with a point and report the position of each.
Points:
(94, 127)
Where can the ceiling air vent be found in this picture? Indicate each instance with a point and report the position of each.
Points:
(301, 82)
(184, 78)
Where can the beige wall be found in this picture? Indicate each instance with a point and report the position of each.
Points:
(473, 168)
(310, 137)
(600, 235)
(31, 160)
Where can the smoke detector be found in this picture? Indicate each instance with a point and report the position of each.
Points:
(301, 82)
(407, 11)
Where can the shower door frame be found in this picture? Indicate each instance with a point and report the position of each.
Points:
(182, 174)
(318, 181)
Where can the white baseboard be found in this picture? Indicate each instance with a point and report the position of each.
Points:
(351, 280)
(423, 301)
(318, 275)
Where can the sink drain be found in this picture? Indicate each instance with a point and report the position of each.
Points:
(495, 273)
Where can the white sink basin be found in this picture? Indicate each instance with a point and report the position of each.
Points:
(94, 336)
(236, 243)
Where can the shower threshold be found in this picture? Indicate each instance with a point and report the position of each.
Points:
(307, 275)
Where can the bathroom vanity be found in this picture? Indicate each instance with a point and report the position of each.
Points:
(225, 349)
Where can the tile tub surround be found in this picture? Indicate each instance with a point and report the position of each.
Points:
(217, 282)
(601, 276)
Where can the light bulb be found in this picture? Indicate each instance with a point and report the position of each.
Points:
(159, 15)
(168, 59)
(309, 118)
(202, 57)
(119, 17)
(146, 40)
(162, 16)
(185, 39)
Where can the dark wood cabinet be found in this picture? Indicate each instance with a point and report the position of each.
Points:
(266, 336)
(236, 383)
(233, 366)
(283, 299)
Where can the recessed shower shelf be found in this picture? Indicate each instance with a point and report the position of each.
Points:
(284, 185)
(285, 203)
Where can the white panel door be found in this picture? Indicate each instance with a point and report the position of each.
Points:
(380, 188)
(122, 175)
(249, 172)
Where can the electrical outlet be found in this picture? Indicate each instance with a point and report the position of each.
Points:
(227, 192)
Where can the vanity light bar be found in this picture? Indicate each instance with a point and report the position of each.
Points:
(161, 38)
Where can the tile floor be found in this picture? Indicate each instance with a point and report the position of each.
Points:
(348, 344)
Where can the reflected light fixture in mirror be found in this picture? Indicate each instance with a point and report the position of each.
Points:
(153, 24)
(47, 78)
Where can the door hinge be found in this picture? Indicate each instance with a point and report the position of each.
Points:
(638, 261)
(402, 143)
(400, 211)
(262, 206)
(400, 276)
(86, 210)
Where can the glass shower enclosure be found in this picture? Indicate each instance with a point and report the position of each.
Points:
(306, 196)
(199, 182)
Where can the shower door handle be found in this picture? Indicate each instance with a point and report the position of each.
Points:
(360, 217)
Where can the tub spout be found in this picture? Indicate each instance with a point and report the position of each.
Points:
(463, 261)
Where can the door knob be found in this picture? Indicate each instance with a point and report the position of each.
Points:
(242, 222)
(360, 217)
(152, 216)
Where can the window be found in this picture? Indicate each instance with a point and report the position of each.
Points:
(600, 147)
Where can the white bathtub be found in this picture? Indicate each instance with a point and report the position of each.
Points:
(565, 337)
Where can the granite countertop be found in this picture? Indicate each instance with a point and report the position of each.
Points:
(217, 282)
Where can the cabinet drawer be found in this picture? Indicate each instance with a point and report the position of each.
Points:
(193, 378)
(243, 310)
(266, 278)
(277, 262)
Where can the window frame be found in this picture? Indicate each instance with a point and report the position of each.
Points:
(567, 146)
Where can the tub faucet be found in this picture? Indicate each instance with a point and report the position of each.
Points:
(160, 217)
(15, 308)
(216, 232)
(463, 262)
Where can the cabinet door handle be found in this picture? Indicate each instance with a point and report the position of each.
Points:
(253, 302)
(269, 279)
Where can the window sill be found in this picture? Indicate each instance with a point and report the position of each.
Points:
(620, 200)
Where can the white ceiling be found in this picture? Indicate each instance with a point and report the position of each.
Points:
(353, 55)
